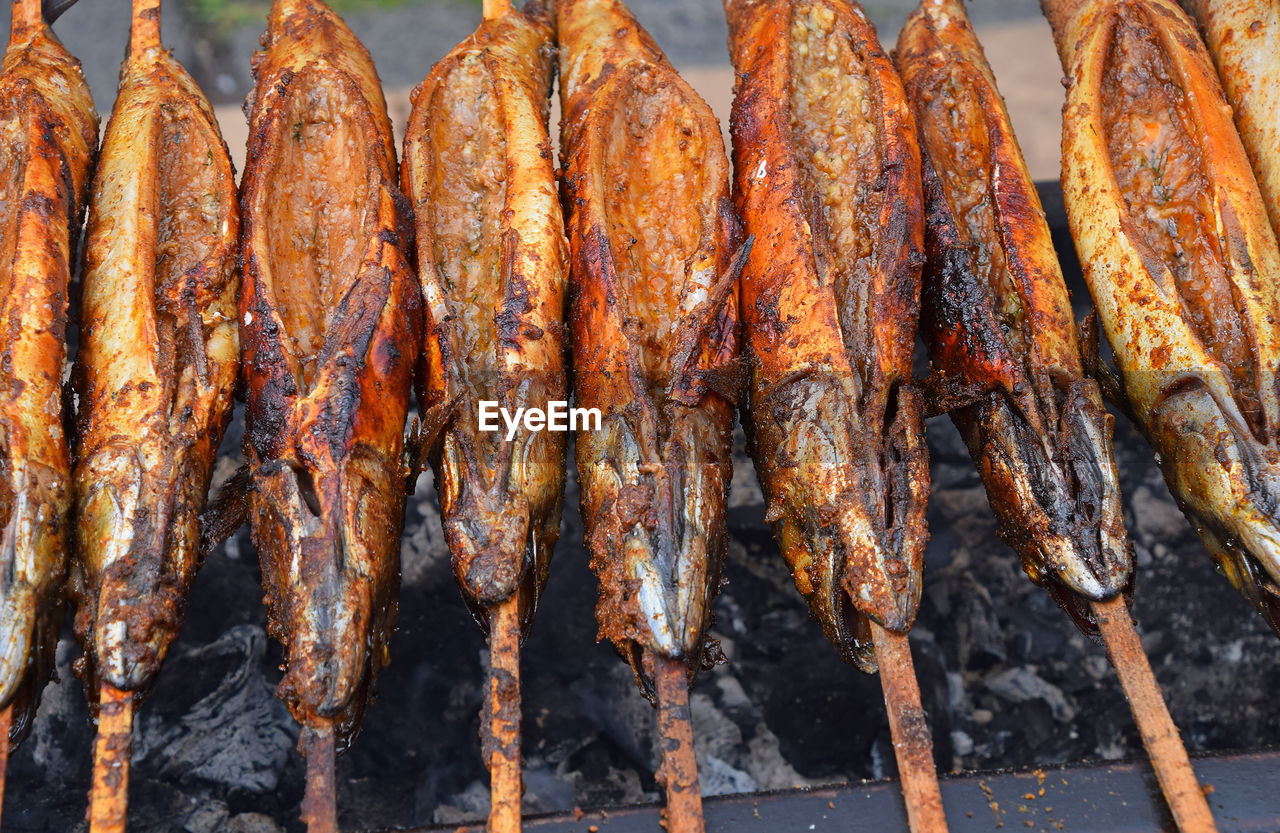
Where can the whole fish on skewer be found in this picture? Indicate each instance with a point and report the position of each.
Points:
(157, 365)
(330, 330)
(1175, 245)
(653, 322)
(493, 261)
(827, 181)
(997, 321)
(48, 138)
(1006, 362)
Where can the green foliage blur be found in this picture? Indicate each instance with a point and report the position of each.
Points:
(221, 17)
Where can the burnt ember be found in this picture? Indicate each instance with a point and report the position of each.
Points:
(1007, 679)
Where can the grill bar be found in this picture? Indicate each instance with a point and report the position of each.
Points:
(1093, 798)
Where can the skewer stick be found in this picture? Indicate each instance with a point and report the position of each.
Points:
(500, 729)
(679, 771)
(496, 8)
(27, 14)
(144, 32)
(320, 799)
(109, 793)
(5, 717)
(912, 744)
(1159, 734)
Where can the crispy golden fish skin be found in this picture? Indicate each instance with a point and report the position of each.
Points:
(827, 181)
(493, 261)
(156, 369)
(331, 321)
(48, 138)
(997, 320)
(1173, 236)
(1243, 37)
(653, 319)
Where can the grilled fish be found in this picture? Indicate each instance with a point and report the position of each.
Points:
(157, 364)
(827, 181)
(48, 138)
(1243, 37)
(1173, 236)
(331, 322)
(997, 320)
(492, 259)
(653, 321)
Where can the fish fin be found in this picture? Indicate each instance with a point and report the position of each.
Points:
(226, 513)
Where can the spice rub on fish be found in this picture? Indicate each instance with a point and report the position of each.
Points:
(157, 364)
(1243, 37)
(997, 320)
(1183, 265)
(827, 181)
(48, 138)
(653, 321)
(331, 319)
(493, 262)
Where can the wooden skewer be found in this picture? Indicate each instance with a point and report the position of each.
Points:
(500, 730)
(679, 771)
(912, 744)
(25, 15)
(1159, 734)
(144, 32)
(5, 717)
(109, 793)
(496, 8)
(320, 798)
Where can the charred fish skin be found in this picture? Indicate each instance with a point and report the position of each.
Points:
(49, 138)
(1243, 37)
(493, 262)
(997, 321)
(156, 370)
(1184, 268)
(827, 181)
(653, 320)
(330, 328)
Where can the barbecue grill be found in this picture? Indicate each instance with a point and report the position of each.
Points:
(1028, 723)
(1007, 681)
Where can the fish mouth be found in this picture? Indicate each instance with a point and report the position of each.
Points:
(32, 570)
(1054, 489)
(1227, 482)
(658, 547)
(855, 552)
(139, 525)
(317, 533)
